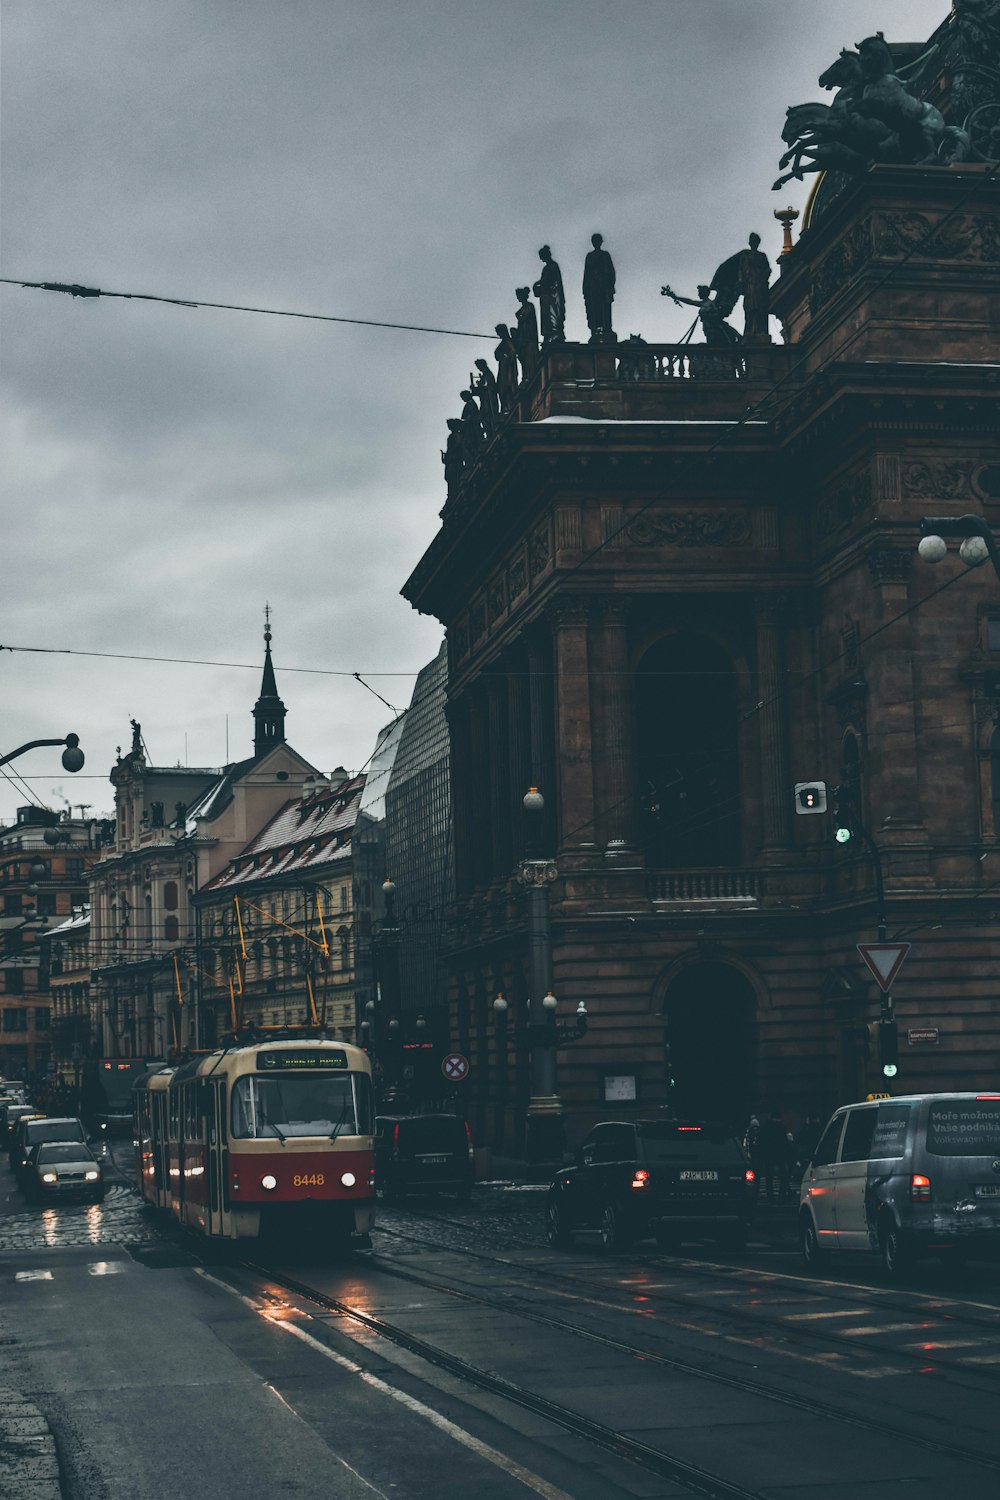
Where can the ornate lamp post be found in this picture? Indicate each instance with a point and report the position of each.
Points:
(72, 756)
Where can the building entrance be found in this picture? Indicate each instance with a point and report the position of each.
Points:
(711, 1043)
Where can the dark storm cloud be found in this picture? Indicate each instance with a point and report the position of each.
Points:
(167, 470)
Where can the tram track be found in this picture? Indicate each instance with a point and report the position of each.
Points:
(701, 1482)
(872, 1303)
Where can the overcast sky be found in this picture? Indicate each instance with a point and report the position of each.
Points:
(167, 471)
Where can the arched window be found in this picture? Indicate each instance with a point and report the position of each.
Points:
(170, 895)
(687, 755)
(171, 929)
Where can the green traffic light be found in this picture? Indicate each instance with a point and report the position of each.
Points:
(843, 835)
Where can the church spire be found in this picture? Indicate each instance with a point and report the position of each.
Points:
(269, 711)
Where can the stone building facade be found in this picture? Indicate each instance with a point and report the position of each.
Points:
(677, 581)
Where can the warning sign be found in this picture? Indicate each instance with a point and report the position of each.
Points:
(884, 960)
(455, 1067)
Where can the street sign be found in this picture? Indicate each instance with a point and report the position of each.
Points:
(884, 960)
(455, 1067)
(922, 1036)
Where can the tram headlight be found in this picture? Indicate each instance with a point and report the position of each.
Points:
(348, 1179)
(269, 1183)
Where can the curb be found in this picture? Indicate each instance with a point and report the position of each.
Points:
(29, 1465)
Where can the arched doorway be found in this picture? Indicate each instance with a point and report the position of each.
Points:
(710, 1013)
(687, 755)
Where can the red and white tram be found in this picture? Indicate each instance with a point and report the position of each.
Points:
(265, 1137)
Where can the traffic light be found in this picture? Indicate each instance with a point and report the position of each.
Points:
(888, 1048)
(844, 817)
(810, 796)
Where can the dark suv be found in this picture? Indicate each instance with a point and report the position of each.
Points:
(654, 1177)
(423, 1154)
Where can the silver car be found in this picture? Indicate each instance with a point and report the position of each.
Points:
(63, 1169)
(905, 1177)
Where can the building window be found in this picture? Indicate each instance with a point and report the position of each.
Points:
(170, 895)
(343, 898)
(171, 929)
(74, 869)
(45, 904)
(42, 1017)
(15, 1019)
(14, 981)
(12, 903)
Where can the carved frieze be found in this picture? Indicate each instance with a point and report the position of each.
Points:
(612, 517)
(954, 237)
(839, 266)
(692, 528)
(539, 551)
(498, 597)
(847, 502)
(934, 479)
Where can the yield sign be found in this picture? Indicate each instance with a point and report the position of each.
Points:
(884, 960)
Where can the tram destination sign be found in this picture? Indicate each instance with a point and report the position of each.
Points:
(300, 1059)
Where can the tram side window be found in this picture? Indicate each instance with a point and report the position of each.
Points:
(363, 1098)
(175, 1119)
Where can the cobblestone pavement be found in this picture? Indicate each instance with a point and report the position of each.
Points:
(120, 1219)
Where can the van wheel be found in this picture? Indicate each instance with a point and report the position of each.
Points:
(614, 1235)
(557, 1231)
(815, 1257)
(895, 1258)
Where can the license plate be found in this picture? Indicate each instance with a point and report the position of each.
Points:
(988, 1190)
(699, 1176)
(432, 1161)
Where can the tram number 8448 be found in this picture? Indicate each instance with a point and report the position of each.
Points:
(308, 1179)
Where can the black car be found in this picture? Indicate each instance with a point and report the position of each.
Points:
(423, 1154)
(665, 1178)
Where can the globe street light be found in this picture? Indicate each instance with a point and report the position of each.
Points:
(978, 542)
(72, 756)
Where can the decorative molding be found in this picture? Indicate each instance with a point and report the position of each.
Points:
(477, 622)
(767, 528)
(459, 637)
(953, 237)
(887, 486)
(612, 535)
(936, 479)
(692, 528)
(837, 268)
(569, 528)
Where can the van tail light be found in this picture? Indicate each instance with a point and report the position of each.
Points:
(749, 1175)
(468, 1141)
(395, 1143)
(640, 1178)
(920, 1188)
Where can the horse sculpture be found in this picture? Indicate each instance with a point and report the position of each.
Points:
(873, 118)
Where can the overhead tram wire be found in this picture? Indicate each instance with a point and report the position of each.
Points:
(73, 289)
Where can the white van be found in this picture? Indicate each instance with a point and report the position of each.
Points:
(905, 1177)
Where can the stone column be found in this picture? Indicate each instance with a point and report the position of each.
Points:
(775, 790)
(501, 808)
(518, 742)
(613, 765)
(574, 750)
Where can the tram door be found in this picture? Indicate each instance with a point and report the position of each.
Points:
(217, 1158)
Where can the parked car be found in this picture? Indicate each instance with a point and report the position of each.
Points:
(665, 1178)
(905, 1177)
(62, 1169)
(423, 1154)
(38, 1128)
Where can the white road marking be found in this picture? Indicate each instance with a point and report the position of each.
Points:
(288, 1407)
(105, 1268)
(33, 1276)
(867, 1330)
(451, 1429)
(849, 1312)
(946, 1344)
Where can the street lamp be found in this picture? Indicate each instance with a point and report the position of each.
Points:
(72, 756)
(978, 542)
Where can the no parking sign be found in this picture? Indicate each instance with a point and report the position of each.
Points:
(455, 1067)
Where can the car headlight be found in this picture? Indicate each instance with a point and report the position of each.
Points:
(269, 1183)
(348, 1179)
(48, 1177)
(91, 1176)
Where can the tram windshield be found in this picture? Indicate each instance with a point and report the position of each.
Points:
(323, 1104)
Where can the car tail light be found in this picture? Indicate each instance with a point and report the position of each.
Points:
(468, 1139)
(395, 1143)
(640, 1178)
(749, 1175)
(686, 1129)
(920, 1188)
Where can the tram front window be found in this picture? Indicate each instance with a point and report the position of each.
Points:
(320, 1104)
